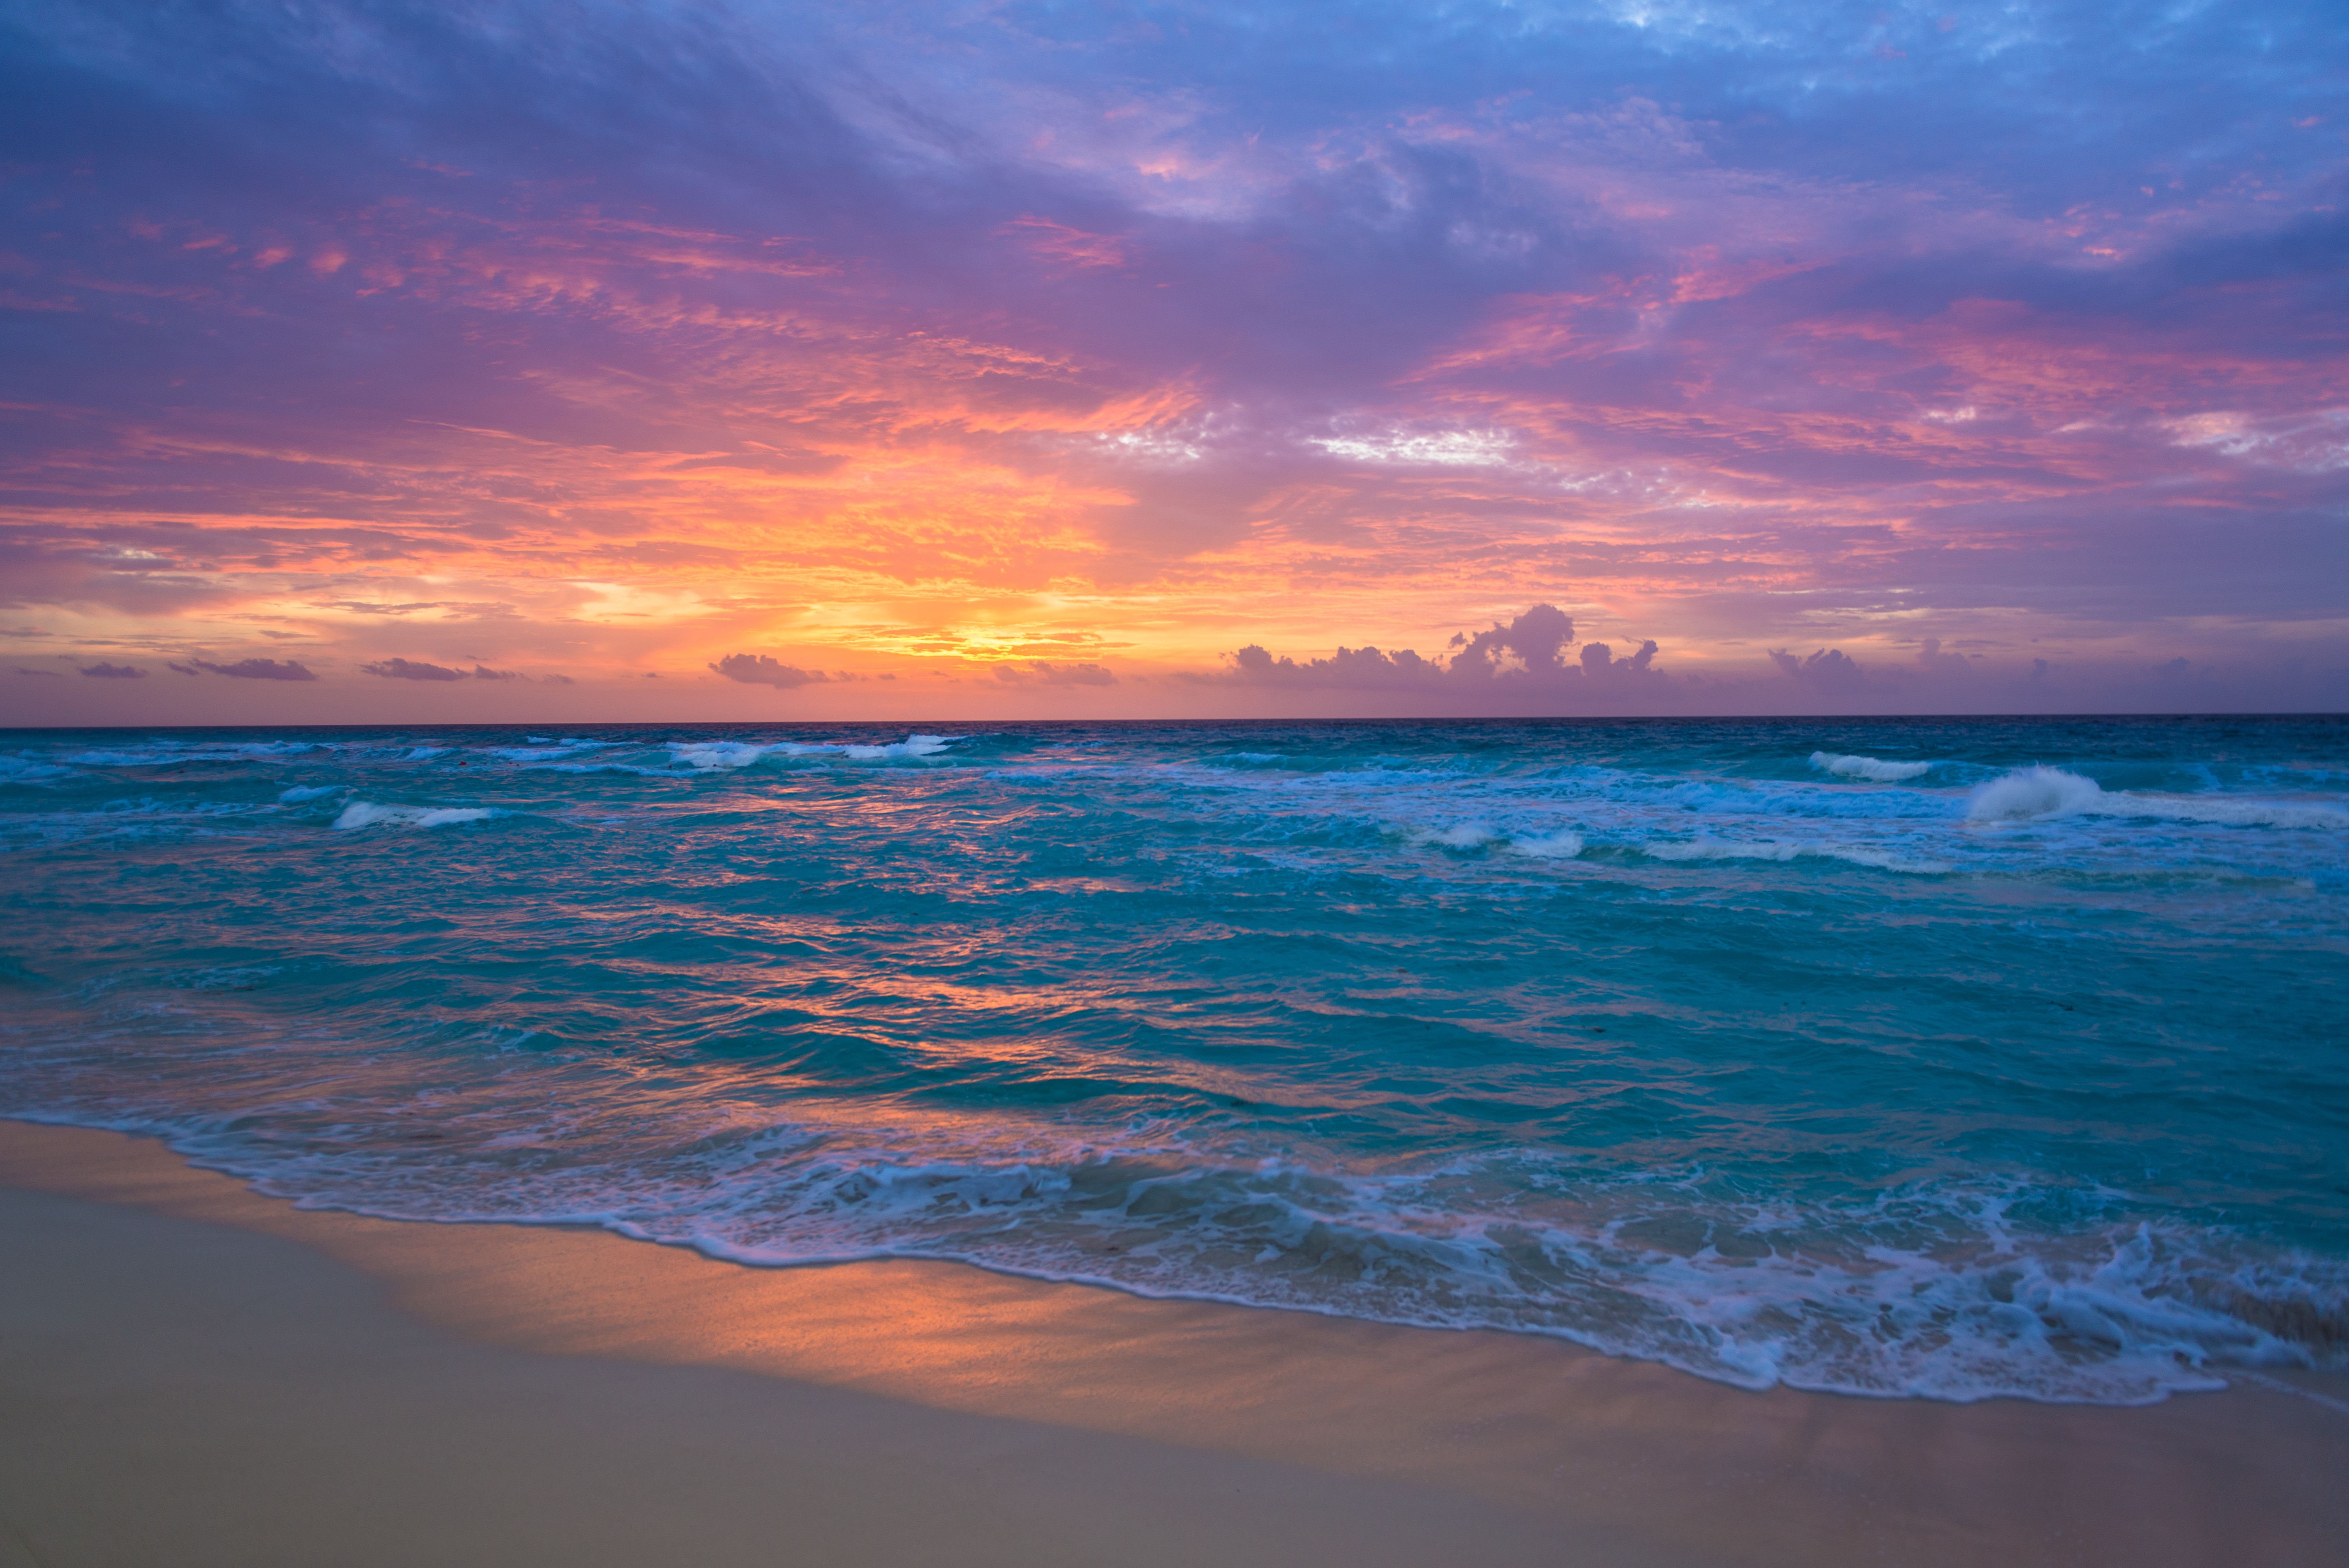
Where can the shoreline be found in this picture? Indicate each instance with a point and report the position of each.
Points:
(1199, 1428)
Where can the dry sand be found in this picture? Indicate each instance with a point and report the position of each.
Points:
(191, 1374)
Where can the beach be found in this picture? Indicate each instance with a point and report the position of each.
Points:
(198, 1374)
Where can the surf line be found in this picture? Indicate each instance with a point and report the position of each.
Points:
(2340, 1406)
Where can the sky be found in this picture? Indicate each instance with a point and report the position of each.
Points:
(582, 361)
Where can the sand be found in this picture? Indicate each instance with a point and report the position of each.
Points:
(192, 1374)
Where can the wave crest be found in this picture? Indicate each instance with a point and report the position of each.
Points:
(1564, 844)
(369, 814)
(729, 755)
(1851, 766)
(2030, 794)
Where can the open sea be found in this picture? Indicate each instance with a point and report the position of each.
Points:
(1949, 1059)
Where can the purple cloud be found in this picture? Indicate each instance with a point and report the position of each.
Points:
(411, 670)
(1535, 642)
(1365, 669)
(758, 669)
(1525, 655)
(1829, 671)
(249, 669)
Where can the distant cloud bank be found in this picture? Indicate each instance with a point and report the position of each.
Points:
(1522, 656)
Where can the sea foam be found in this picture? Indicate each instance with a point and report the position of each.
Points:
(1931, 1290)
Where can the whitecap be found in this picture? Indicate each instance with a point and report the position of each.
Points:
(368, 814)
(1464, 836)
(2035, 793)
(912, 746)
(2028, 792)
(712, 755)
(716, 754)
(306, 792)
(1562, 845)
(1851, 766)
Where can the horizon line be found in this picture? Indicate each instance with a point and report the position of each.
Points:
(1196, 722)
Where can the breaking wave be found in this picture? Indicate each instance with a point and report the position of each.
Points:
(1564, 844)
(368, 814)
(1851, 766)
(2031, 793)
(734, 754)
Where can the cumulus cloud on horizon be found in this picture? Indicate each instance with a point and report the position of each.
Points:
(1828, 670)
(1523, 655)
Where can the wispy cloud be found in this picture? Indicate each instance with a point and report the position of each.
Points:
(1042, 671)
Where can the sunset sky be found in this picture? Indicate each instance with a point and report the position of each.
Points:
(588, 361)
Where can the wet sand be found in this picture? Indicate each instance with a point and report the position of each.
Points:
(192, 1374)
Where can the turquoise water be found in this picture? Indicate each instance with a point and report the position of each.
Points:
(1942, 1059)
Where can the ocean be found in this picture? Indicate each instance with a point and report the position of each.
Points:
(1941, 1058)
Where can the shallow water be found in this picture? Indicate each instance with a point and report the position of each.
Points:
(1950, 1059)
